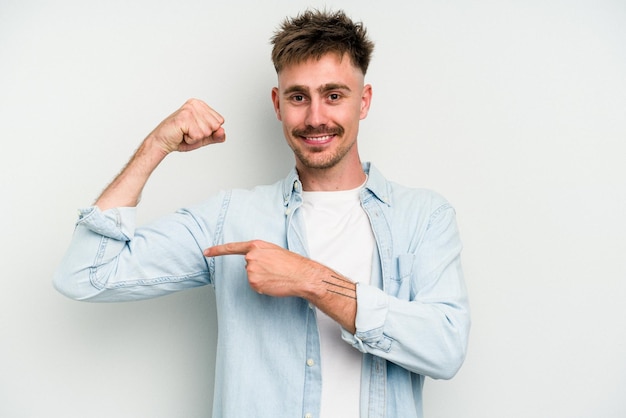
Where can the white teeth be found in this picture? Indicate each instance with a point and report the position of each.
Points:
(318, 138)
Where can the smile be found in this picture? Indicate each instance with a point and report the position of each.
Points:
(319, 139)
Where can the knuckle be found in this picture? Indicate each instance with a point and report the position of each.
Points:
(256, 244)
(191, 102)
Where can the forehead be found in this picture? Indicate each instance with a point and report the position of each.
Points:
(314, 72)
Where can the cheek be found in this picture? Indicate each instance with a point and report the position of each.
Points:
(350, 117)
(290, 117)
(288, 123)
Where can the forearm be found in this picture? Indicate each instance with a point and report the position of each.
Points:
(125, 190)
(335, 295)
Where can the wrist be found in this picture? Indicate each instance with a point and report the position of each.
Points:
(328, 284)
(154, 148)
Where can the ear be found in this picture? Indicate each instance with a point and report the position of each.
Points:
(276, 102)
(366, 100)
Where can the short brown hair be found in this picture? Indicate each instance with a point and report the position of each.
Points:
(314, 33)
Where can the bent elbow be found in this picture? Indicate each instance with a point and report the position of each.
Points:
(62, 285)
(75, 285)
(449, 367)
(452, 357)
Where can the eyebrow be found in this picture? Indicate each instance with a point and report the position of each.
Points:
(321, 89)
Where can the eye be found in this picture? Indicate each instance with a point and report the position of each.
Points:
(298, 98)
(333, 97)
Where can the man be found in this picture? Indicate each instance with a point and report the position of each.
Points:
(337, 291)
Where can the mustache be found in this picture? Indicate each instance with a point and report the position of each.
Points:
(318, 130)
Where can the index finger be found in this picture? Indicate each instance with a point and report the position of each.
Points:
(240, 248)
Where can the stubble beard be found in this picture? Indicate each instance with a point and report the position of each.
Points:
(319, 158)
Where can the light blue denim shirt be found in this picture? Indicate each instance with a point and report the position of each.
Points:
(412, 319)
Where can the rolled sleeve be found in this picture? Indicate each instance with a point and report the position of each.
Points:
(116, 223)
(372, 310)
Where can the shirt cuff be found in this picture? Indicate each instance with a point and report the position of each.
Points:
(371, 314)
(116, 223)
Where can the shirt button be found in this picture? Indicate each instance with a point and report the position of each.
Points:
(308, 415)
(311, 306)
(310, 362)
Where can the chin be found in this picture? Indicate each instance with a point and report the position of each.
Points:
(319, 164)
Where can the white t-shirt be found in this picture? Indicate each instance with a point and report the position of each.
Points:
(340, 237)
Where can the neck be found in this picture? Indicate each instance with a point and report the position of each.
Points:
(343, 176)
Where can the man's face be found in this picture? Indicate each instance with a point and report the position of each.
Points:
(320, 103)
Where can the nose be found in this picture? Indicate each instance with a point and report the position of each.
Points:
(316, 114)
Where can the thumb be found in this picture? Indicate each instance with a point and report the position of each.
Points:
(219, 135)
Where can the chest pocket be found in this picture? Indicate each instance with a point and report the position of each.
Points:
(400, 284)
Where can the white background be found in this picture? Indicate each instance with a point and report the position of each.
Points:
(513, 110)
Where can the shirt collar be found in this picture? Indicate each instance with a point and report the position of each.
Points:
(376, 184)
